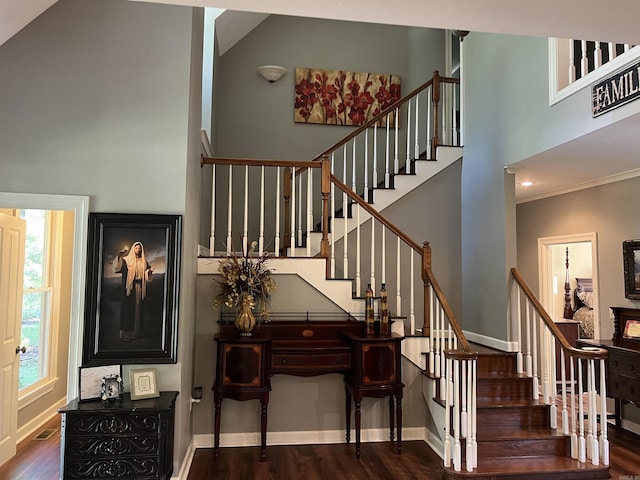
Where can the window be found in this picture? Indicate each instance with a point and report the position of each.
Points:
(37, 373)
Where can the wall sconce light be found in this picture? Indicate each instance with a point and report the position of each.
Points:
(272, 73)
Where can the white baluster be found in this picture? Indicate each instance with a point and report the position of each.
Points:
(372, 278)
(534, 351)
(582, 452)
(613, 52)
(528, 362)
(407, 162)
(584, 61)
(519, 360)
(261, 236)
(292, 233)
(398, 296)
(432, 329)
(457, 451)
(396, 140)
(333, 220)
(447, 435)
(300, 209)
(572, 62)
(245, 229)
(366, 165)
(374, 175)
(383, 247)
(229, 211)
(454, 119)
(309, 209)
(358, 248)
(345, 238)
(604, 442)
(416, 154)
(353, 167)
(597, 56)
(277, 239)
(386, 162)
(412, 316)
(429, 111)
(212, 236)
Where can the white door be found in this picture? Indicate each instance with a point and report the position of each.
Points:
(12, 242)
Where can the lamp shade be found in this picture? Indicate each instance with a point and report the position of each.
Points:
(272, 73)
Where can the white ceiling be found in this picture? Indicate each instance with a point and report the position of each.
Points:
(577, 163)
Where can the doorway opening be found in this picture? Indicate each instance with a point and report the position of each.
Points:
(580, 252)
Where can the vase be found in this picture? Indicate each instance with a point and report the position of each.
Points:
(245, 320)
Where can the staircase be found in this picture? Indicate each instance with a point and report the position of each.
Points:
(494, 412)
(514, 434)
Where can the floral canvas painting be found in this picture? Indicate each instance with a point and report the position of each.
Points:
(336, 97)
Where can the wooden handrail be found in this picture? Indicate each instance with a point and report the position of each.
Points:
(374, 213)
(386, 111)
(462, 340)
(252, 162)
(593, 353)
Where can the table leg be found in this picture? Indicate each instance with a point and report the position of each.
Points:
(263, 430)
(357, 427)
(399, 420)
(391, 419)
(347, 395)
(216, 442)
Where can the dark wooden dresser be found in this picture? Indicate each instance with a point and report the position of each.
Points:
(370, 365)
(623, 362)
(124, 439)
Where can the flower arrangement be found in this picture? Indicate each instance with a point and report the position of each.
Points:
(246, 279)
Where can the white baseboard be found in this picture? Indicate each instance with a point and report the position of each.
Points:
(206, 440)
(29, 428)
(498, 344)
(434, 442)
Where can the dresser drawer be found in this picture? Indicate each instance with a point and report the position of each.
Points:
(109, 424)
(624, 387)
(80, 446)
(624, 363)
(140, 468)
(283, 362)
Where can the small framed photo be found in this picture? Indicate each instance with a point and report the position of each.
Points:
(143, 384)
(91, 381)
(631, 255)
(111, 389)
(632, 330)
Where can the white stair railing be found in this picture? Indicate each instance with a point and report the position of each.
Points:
(581, 388)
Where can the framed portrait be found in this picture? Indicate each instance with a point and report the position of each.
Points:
(143, 384)
(91, 380)
(631, 256)
(132, 289)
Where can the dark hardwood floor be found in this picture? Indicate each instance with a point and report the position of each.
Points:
(40, 460)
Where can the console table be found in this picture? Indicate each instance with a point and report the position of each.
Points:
(124, 439)
(623, 360)
(370, 365)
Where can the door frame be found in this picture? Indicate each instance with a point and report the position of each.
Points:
(544, 268)
(80, 206)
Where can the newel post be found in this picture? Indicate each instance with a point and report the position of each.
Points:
(435, 98)
(326, 190)
(426, 268)
(287, 208)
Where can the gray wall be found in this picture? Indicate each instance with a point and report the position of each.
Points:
(507, 118)
(254, 118)
(609, 210)
(98, 99)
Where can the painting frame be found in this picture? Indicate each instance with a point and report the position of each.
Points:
(132, 318)
(631, 257)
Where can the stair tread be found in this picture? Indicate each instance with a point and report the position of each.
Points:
(533, 466)
(494, 402)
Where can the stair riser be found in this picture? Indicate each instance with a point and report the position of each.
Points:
(497, 363)
(491, 421)
(560, 446)
(504, 388)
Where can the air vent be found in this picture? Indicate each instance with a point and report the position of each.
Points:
(45, 434)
